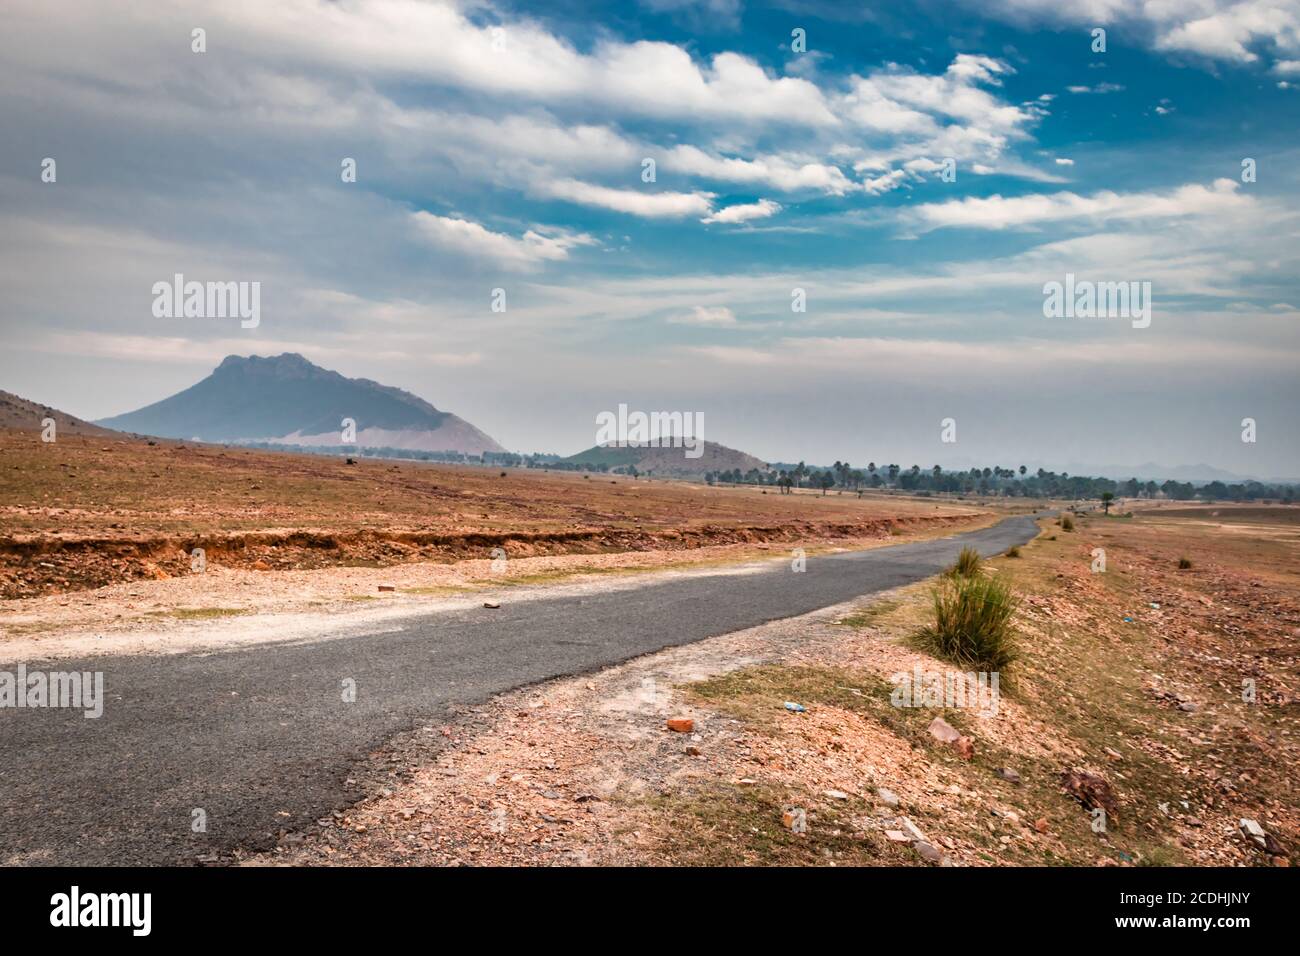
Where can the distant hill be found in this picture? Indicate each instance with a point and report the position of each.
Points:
(669, 462)
(286, 399)
(17, 412)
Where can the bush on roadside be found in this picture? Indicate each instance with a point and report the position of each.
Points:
(966, 565)
(972, 623)
(1013, 551)
(1067, 523)
(1184, 564)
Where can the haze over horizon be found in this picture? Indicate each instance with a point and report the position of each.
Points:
(501, 146)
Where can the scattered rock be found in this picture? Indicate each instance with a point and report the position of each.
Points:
(927, 851)
(943, 731)
(1007, 774)
(683, 725)
(1113, 754)
(1263, 839)
(1090, 790)
(897, 836)
(887, 796)
(913, 830)
(491, 604)
(797, 708)
(260, 565)
(1041, 825)
(693, 751)
(387, 587)
(835, 794)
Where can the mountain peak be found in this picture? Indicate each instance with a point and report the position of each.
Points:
(289, 400)
(285, 361)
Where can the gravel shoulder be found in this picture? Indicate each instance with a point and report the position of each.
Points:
(1132, 676)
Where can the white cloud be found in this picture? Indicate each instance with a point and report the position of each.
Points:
(636, 202)
(518, 57)
(999, 212)
(745, 212)
(780, 172)
(476, 241)
(713, 315)
(1217, 29)
(1062, 161)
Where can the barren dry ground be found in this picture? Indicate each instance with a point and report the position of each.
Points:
(1134, 675)
(84, 512)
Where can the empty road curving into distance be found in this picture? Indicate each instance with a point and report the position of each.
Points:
(258, 731)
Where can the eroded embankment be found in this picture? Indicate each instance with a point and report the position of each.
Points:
(45, 564)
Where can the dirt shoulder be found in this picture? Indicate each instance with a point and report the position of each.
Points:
(88, 512)
(1133, 675)
(225, 607)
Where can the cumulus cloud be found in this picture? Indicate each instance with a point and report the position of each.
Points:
(636, 202)
(1011, 212)
(745, 212)
(473, 240)
(780, 172)
(1229, 30)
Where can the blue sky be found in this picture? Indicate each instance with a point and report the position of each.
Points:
(502, 146)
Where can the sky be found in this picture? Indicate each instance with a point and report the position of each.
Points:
(795, 146)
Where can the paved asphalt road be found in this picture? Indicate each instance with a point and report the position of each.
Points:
(250, 732)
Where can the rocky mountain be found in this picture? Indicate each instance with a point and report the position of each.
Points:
(24, 415)
(288, 400)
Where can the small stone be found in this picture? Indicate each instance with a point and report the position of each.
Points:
(1007, 774)
(683, 725)
(835, 794)
(1041, 824)
(887, 796)
(913, 829)
(927, 851)
(693, 751)
(1113, 754)
(387, 587)
(491, 604)
(943, 731)
(898, 836)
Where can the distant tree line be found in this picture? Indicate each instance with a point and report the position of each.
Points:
(995, 480)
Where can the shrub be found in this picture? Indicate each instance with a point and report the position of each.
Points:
(966, 565)
(1013, 551)
(972, 623)
(1067, 523)
(1184, 564)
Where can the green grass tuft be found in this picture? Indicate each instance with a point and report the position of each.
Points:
(967, 564)
(972, 623)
